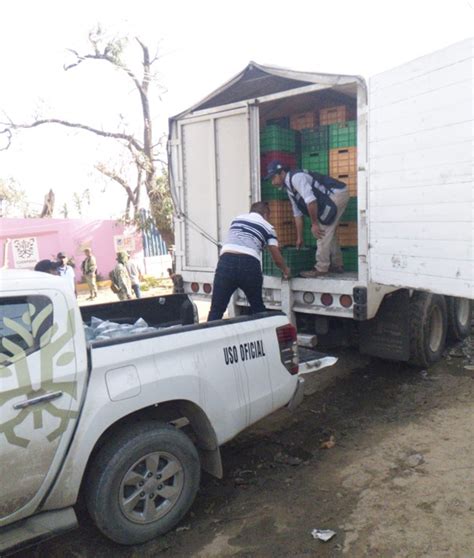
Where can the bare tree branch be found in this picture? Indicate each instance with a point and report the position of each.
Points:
(114, 135)
(8, 134)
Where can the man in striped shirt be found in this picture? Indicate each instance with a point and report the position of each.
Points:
(239, 265)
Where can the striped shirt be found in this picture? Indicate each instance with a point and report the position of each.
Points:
(249, 234)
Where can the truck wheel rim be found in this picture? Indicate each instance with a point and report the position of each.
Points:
(463, 311)
(436, 329)
(151, 487)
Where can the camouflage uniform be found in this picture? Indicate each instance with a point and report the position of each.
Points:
(89, 269)
(122, 277)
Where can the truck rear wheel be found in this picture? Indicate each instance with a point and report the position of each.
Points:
(142, 482)
(428, 326)
(459, 317)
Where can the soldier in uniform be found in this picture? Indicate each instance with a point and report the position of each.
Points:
(122, 277)
(89, 270)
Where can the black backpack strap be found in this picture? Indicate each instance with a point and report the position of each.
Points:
(295, 195)
(328, 182)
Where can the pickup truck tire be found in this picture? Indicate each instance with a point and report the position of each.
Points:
(428, 327)
(459, 317)
(142, 482)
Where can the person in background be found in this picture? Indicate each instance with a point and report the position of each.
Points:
(47, 266)
(89, 270)
(239, 264)
(178, 284)
(66, 271)
(122, 278)
(321, 198)
(135, 277)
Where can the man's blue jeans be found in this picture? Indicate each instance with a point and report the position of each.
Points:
(236, 271)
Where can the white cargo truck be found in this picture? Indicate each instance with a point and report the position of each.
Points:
(415, 196)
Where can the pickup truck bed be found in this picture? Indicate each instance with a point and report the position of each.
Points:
(162, 311)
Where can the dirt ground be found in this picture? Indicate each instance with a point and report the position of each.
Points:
(398, 481)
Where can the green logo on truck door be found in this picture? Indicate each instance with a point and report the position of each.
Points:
(30, 338)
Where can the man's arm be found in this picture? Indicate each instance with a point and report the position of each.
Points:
(279, 261)
(302, 182)
(299, 223)
(313, 213)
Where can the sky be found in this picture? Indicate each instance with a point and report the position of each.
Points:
(201, 45)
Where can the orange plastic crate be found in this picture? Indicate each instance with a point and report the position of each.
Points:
(281, 217)
(343, 166)
(349, 178)
(346, 234)
(303, 120)
(342, 160)
(331, 115)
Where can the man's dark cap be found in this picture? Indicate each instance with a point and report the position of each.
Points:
(274, 167)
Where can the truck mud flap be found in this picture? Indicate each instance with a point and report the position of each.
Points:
(388, 334)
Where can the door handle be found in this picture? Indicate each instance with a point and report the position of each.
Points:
(38, 400)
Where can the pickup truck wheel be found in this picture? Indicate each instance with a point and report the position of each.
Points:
(143, 482)
(428, 326)
(459, 317)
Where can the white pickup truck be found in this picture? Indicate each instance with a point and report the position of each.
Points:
(128, 421)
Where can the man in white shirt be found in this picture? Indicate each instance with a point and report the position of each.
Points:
(66, 271)
(323, 200)
(135, 277)
(239, 264)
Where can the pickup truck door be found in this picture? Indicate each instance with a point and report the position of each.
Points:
(40, 395)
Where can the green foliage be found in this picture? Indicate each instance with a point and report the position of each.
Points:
(161, 207)
(110, 47)
(150, 282)
(13, 200)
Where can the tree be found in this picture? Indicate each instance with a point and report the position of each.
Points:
(144, 151)
(13, 200)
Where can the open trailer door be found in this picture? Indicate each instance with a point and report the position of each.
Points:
(421, 187)
(215, 180)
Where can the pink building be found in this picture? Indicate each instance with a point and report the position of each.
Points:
(26, 241)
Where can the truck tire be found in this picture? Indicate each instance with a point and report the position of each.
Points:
(459, 317)
(142, 482)
(428, 326)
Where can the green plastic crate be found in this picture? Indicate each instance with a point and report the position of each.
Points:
(276, 138)
(317, 161)
(350, 214)
(308, 237)
(270, 192)
(283, 122)
(350, 258)
(315, 139)
(343, 134)
(296, 260)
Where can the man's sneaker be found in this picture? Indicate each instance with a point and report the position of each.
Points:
(312, 273)
(336, 269)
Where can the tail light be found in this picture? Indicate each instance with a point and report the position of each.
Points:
(345, 301)
(326, 299)
(195, 287)
(288, 347)
(207, 288)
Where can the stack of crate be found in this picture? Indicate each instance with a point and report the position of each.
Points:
(296, 260)
(278, 142)
(281, 217)
(314, 148)
(343, 167)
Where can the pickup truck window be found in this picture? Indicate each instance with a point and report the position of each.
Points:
(23, 320)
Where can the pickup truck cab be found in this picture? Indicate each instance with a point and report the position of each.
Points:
(129, 420)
